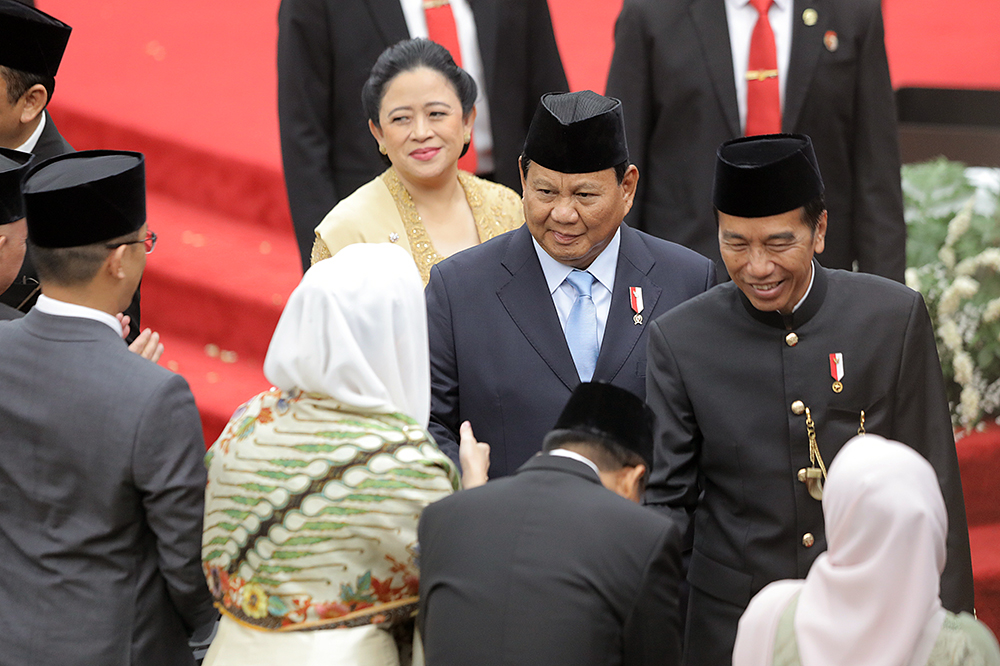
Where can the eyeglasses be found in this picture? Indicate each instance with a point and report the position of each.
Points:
(149, 241)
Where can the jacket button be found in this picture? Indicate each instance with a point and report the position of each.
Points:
(791, 339)
(808, 540)
(798, 408)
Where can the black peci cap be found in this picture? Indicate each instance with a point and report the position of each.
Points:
(30, 40)
(578, 132)
(760, 176)
(13, 165)
(86, 197)
(613, 413)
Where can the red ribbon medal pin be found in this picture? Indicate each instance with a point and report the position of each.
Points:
(635, 294)
(837, 371)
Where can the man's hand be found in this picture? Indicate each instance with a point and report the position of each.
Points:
(474, 458)
(147, 344)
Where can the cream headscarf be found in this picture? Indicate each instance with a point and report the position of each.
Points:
(873, 597)
(355, 329)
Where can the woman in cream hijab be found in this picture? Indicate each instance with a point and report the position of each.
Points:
(872, 597)
(315, 487)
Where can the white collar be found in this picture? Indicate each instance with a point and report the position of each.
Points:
(566, 453)
(603, 267)
(739, 4)
(29, 145)
(51, 306)
(812, 276)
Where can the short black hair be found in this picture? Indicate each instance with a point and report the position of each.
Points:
(406, 56)
(620, 169)
(812, 210)
(606, 453)
(73, 266)
(19, 82)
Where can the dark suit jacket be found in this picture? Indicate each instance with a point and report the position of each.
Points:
(52, 144)
(499, 356)
(548, 567)
(101, 513)
(722, 382)
(326, 49)
(673, 71)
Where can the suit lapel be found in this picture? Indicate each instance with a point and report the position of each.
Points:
(526, 299)
(621, 333)
(389, 20)
(485, 14)
(709, 18)
(807, 44)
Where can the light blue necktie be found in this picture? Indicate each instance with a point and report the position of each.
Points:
(581, 326)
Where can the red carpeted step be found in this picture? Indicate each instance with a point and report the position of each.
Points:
(220, 379)
(985, 540)
(216, 280)
(979, 463)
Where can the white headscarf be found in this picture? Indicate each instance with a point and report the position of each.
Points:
(873, 597)
(355, 329)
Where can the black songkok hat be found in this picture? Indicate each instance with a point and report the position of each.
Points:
(613, 413)
(760, 176)
(579, 132)
(13, 165)
(30, 40)
(83, 198)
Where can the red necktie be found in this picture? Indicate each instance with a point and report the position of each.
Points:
(763, 95)
(441, 28)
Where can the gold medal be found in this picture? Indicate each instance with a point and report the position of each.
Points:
(837, 387)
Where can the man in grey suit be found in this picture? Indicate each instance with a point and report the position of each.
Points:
(101, 514)
(511, 334)
(546, 566)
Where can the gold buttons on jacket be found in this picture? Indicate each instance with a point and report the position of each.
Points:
(791, 339)
(808, 540)
(798, 408)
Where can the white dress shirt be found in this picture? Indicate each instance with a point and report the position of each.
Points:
(32, 141)
(603, 269)
(51, 306)
(742, 17)
(566, 453)
(472, 62)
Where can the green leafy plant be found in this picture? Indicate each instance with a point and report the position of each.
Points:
(953, 259)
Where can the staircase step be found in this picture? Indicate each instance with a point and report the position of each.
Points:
(985, 541)
(220, 380)
(979, 464)
(214, 279)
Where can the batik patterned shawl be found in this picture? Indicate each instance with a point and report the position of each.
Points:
(311, 513)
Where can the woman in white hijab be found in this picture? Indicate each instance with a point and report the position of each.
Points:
(315, 487)
(872, 597)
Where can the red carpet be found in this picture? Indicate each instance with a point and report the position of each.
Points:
(193, 85)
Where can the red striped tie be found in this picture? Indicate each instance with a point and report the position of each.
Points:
(441, 28)
(763, 95)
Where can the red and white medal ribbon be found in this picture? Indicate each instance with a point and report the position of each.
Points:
(635, 295)
(837, 371)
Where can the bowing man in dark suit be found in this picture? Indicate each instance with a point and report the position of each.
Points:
(681, 69)
(102, 465)
(326, 49)
(546, 566)
(517, 322)
(13, 229)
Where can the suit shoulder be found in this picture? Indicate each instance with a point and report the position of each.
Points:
(869, 287)
(475, 260)
(678, 254)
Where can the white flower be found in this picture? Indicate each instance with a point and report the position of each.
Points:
(968, 409)
(948, 332)
(965, 286)
(962, 287)
(992, 311)
(960, 223)
(962, 363)
(947, 257)
(990, 258)
(913, 279)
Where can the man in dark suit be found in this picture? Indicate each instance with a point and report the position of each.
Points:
(326, 49)
(511, 332)
(757, 385)
(546, 566)
(13, 228)
(673, 69)
(101, 514)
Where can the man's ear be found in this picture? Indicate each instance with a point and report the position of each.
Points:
(114, 264)
(632, 481)
(35, 100)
